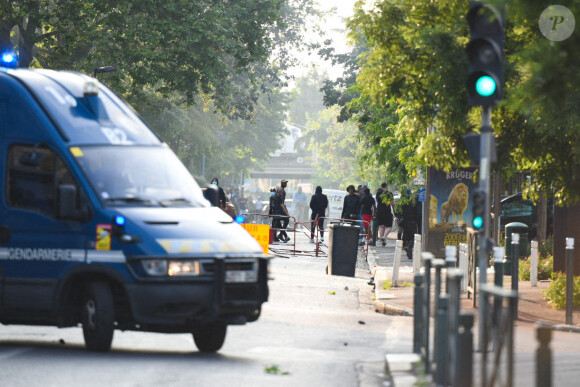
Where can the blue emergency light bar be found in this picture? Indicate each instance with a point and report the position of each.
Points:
(8, 59)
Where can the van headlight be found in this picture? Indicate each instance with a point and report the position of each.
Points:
(172, 268)
(155, 267)
(183, 268)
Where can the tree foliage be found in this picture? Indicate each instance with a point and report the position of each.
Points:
(412, 98)
(192, 68)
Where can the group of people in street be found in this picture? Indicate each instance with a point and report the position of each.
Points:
(360, 206)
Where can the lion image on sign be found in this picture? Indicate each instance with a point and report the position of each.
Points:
(456, 205)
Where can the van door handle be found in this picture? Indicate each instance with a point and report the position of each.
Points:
(5, 235)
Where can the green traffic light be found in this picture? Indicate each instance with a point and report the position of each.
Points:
(485, 86)
(478, 222)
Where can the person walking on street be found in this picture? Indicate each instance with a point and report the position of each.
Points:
(280, 213)
(385, 200)
(407, 221)
(367, 211)
(318, 205)
(351, 205)
(299, 199)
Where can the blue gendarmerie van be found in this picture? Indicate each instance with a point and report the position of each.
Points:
(102, 226)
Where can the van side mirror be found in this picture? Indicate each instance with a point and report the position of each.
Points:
(67, 202)
(212, 195)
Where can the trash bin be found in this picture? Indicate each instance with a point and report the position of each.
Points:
(342, 249)
(524, 249)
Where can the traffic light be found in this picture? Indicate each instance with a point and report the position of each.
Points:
(478, 204)
(485, 55)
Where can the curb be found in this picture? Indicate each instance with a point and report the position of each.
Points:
(392, 309)
(567, 328)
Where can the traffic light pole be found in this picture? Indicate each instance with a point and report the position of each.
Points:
(483, 240)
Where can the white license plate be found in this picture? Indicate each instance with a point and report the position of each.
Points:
(241, 276)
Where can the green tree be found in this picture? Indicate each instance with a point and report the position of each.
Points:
(191, 47)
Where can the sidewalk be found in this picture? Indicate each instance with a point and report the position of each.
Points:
(532, 308)
(399, 301)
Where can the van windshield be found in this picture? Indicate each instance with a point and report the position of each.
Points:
(139, 176)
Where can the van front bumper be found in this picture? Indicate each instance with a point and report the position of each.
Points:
(170, 306)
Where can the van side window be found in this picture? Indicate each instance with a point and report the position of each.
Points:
(33, 176)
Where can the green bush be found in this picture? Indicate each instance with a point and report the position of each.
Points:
(556, 292)
(545, 267)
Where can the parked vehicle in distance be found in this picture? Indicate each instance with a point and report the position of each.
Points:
(515, 208)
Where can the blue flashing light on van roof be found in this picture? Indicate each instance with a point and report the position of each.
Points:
(8, 59)
(240, 219)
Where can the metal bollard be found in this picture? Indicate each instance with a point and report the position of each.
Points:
(534, 265)
(569, 280)
(428, 259)
(515, 267)
(441, 343)
(454, 282)
(418, 314)
(397, 263)
(464, 364)
(543, 355)
(438, 264)
(498, 263)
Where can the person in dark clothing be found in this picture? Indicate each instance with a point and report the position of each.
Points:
(384, 214)
(281, 190)
(280, 213)
(318, 205)
(367, 211)
(406, 213)
(221, 194)
(275, 219)
(418, 212)
(351, 205)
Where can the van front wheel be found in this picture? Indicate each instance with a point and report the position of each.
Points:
(210, 338)
(98, 317)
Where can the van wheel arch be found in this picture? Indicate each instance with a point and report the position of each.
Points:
(71, 298)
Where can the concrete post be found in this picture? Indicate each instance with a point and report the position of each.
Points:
(417, 254)
(464, 264)
(534, 265)
(569, 280)
(450, 261)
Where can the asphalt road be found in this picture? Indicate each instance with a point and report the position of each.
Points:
(316, 330)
